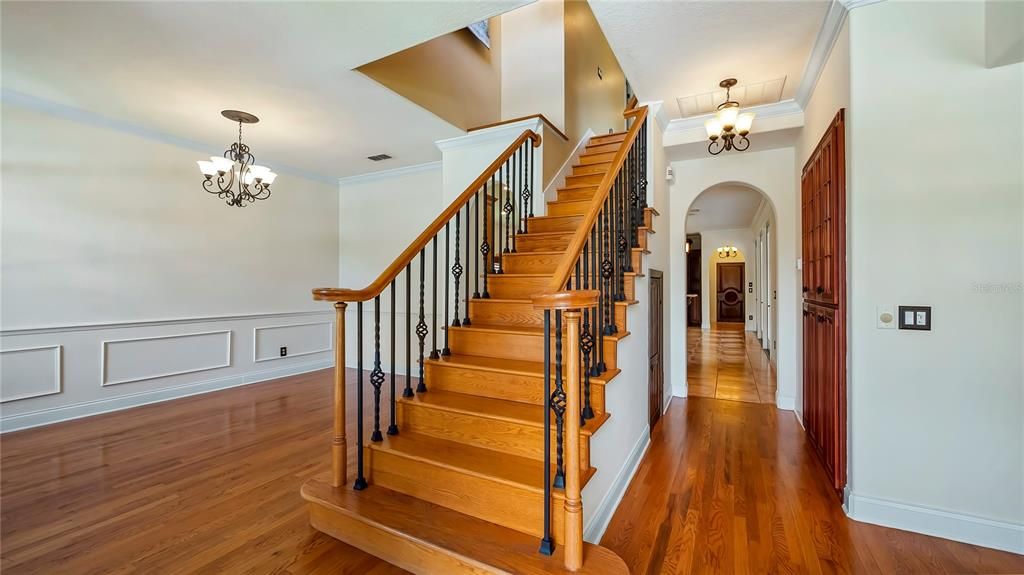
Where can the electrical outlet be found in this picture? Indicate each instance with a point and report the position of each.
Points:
(750, 317)
(284, 351)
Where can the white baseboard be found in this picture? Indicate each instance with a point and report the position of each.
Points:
(89, 408)
(1000, 535)
(787, 402)
(599, 519)
(551, 192)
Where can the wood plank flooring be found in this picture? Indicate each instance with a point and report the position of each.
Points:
(734, 487)
(727, 362)
(210, 484)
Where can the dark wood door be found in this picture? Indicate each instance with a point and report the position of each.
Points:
(656, 344)
(693, 314)
(730, 292)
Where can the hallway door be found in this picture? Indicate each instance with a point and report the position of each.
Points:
(730, 292)
(656, 344)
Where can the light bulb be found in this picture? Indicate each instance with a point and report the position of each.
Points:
(207, 168)
(714, 128)
(727, 116)
(743, 123)
(223, 164)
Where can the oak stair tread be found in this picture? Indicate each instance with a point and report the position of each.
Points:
(514, 470)
(478, 544)
(493, 408)
(516, 366)
(522, 330)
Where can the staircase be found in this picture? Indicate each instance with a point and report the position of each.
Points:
(488, 445)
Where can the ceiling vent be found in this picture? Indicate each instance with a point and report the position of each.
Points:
(747, 95)
(378, 157)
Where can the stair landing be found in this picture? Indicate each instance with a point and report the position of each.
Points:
(422, 537)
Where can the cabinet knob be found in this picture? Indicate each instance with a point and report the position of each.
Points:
(821, 318)
(806, 289)
(819, 290)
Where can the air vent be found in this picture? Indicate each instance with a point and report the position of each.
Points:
(378, 157)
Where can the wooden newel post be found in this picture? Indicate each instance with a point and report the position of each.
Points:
(339, 447)
(570, 303)
(573, 502)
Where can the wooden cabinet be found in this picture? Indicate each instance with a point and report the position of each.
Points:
(823, 233)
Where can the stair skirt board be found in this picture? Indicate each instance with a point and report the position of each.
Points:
(460, 488)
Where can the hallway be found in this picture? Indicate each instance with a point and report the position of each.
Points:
(727, 362)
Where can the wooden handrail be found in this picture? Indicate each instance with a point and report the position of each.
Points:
(572, 253)
(540, 117)
(396, 267)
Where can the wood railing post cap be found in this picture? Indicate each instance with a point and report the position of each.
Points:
(567, 300)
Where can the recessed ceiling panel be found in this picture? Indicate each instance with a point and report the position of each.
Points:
(746, 94)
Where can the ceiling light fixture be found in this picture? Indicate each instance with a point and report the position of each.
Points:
(728, 123)
(727, 252)
(239, 180)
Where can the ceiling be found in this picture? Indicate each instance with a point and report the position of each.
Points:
(723, 207)
(681, 49)
(170, 67)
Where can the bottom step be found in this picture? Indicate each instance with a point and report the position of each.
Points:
(425, 538)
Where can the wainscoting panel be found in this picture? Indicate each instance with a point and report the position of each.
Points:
(57, 373)
(298, 339)
(139, 359)
(30, 372)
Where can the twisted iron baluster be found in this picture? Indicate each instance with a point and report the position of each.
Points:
(447, 287)
(377, 375)
(547, 545)
(558, 403)
(607, 269)
(586, 339)
(595, 241)
(421, 327)
(506, 209)
(457, 274)
(529, 181)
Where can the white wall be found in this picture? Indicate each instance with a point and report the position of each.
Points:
(108, 236)
(771, 172)
(936, 218)
(533, 61)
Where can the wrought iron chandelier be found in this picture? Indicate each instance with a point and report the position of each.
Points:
(728, 123)
(238, 179)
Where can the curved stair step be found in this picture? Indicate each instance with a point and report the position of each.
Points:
(425, 538)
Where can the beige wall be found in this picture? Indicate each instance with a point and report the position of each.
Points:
(590, 102)
(454, 76)
(533, 62)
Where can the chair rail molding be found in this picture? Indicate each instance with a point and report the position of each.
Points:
(97, 326)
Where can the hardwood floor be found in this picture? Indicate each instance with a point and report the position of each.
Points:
(210, 484)
(734, 487)
(727, 362)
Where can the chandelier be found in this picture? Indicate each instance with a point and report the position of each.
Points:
(728, 123)
(238, 179)
(727, 252)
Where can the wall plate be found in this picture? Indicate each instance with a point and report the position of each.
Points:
(915, 317)
(885, 315)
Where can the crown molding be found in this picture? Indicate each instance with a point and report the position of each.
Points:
(851, 4)
(392, 173)
(823, 43)
(82, 116)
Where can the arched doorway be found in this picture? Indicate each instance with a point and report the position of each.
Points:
(730, 274)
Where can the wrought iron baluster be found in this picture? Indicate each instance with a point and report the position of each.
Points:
(476, 242)
(360, 483)
(499, 216)
(643, 161)
(377, 375)
(485, 248)
(595, 274)
(529, 181)
(457, 274)
(586, 339)
(447, 285)
(506, 209)
(634, 208)
(468, 270)
(393, 428)
(558, 404)
(607, 269)
(421, 327)
(435, 352)
(628, 215)
(407, 392)
(547, 544)
(523, 190)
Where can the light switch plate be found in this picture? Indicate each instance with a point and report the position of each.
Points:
(885, 315)
(915, 317)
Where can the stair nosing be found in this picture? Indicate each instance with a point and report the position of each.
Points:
(603, 379)
(417, 402)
